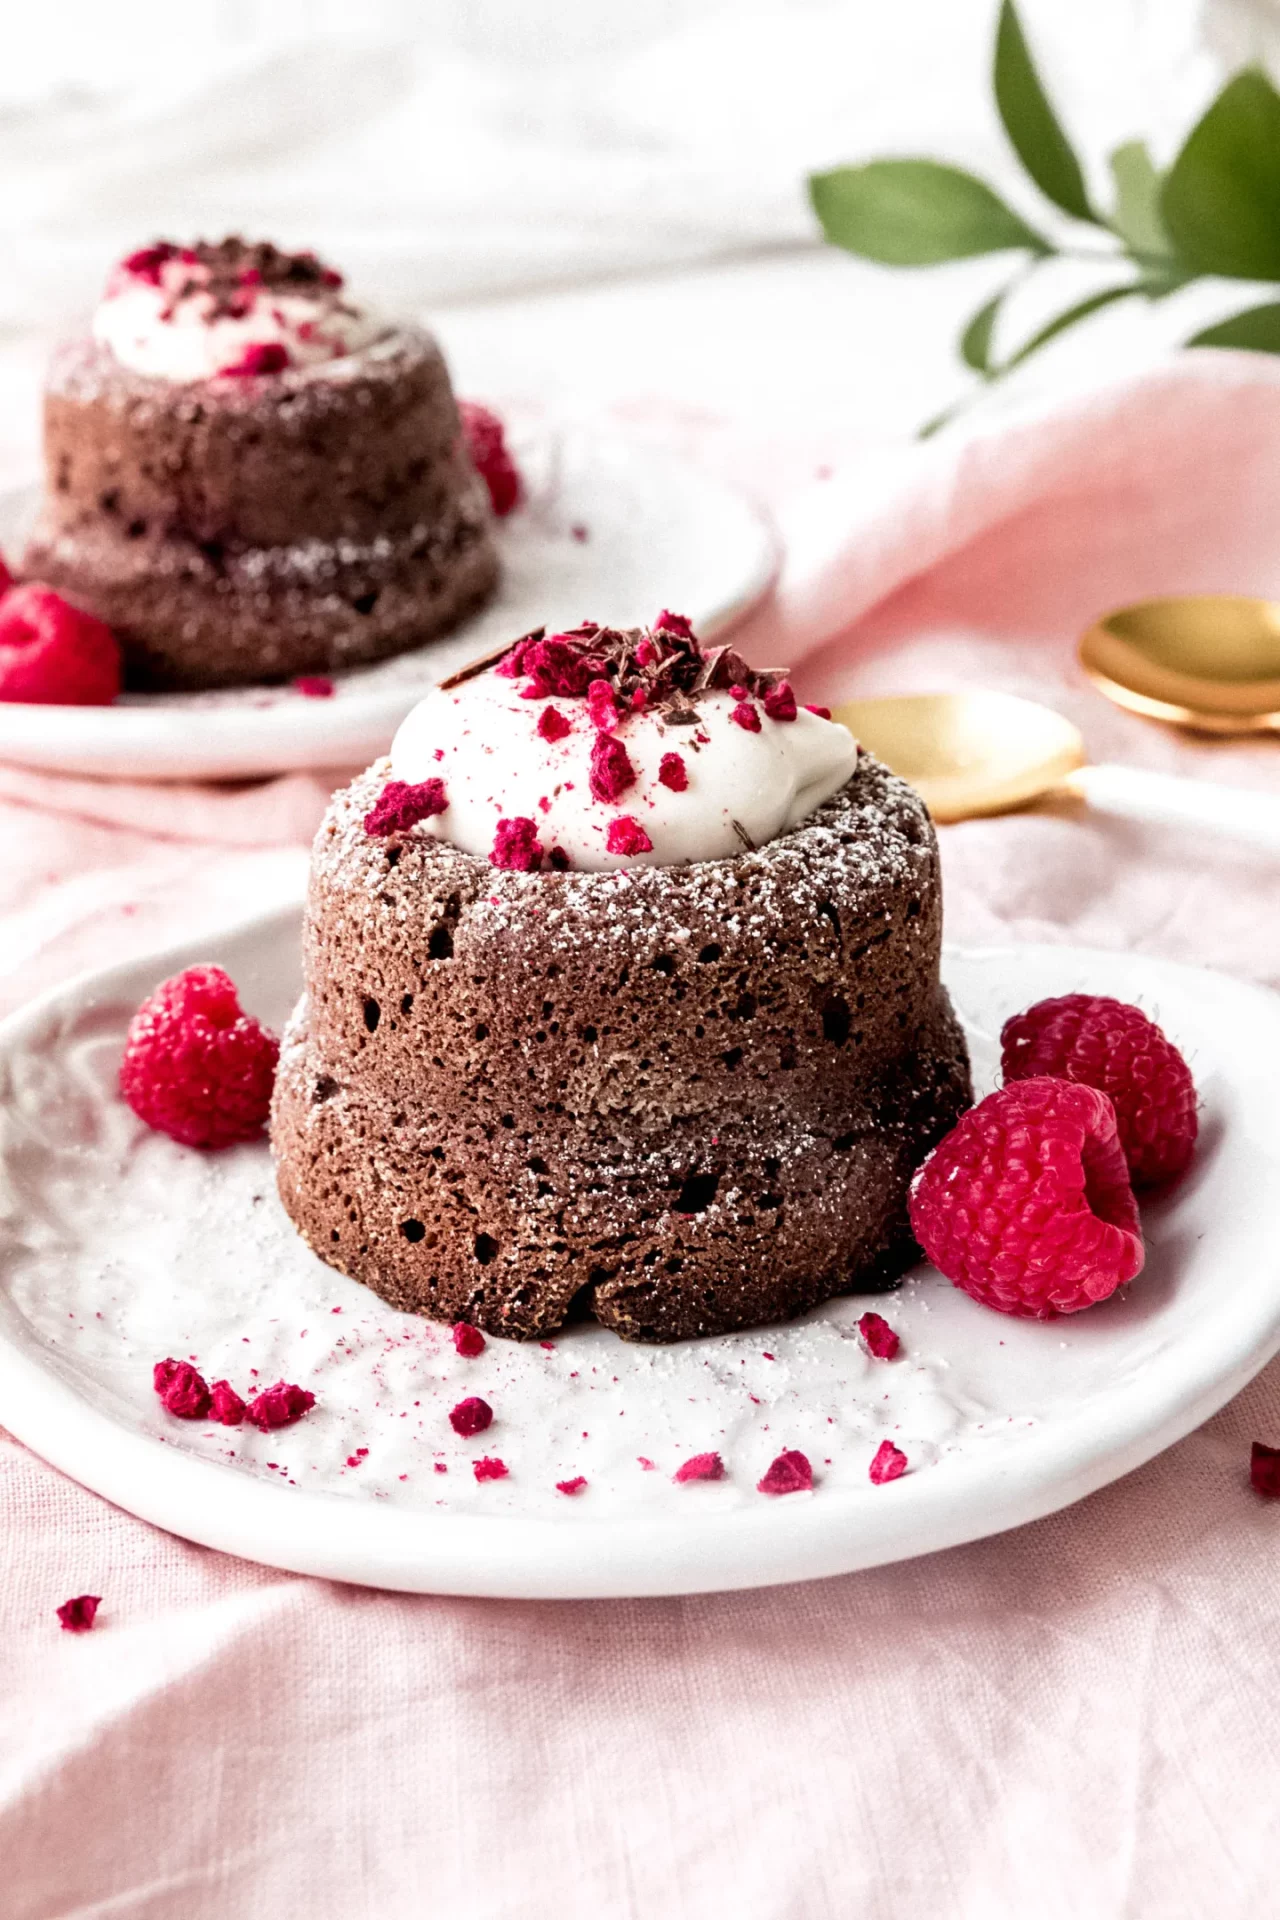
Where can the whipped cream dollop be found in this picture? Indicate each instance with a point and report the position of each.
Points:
(193, 313)
(639, 768)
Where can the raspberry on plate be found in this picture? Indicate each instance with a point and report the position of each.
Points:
(1026, 1203)
(195, 1066)
(52, 654)
(1106, 1044)
(487, 445)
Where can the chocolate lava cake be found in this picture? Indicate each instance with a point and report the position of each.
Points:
(249, 477)
(530, 1083)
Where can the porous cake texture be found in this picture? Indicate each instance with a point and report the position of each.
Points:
(244, 529)
(680, 1099)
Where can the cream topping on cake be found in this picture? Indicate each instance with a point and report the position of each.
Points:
(192, 313)
(640, 766)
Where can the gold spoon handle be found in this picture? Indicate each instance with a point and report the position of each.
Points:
(1132, 793)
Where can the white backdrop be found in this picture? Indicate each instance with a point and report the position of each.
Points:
(476, 146)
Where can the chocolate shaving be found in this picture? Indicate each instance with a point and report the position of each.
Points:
(487, 660)
(742, 834)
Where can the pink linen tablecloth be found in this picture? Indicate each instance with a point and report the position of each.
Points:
(1073, 1720)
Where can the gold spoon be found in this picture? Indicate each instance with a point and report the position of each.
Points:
(1210, 662)
(980, 753)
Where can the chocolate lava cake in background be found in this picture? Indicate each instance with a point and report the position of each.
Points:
(621, 999)
(248, 477)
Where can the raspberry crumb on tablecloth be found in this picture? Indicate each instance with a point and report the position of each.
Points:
(490, 1469)
(78, 1615)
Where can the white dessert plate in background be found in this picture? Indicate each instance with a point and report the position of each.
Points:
(608, 531)
(118, 1247)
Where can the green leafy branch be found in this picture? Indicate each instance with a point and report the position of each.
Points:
(1215, 211)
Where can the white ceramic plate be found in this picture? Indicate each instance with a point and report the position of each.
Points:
(118, 1247)
(651, 532)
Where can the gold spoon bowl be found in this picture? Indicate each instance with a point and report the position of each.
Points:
(1208, 662)
(970, 754)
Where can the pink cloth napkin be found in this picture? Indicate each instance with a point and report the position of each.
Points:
(1076, 1719)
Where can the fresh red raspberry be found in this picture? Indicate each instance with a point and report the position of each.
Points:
(195, 1066)
(1026, 1203)
(52, 654)
(487, 445)
(1105, 1044)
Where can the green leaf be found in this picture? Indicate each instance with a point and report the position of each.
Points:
(1080, 311)
(975, 341)
(915, 213)
(1137, 213)
(1031, 124)
(1257, 327)
(1221, 197)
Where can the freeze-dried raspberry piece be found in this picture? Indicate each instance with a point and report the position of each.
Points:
(489, 1469)
(1264, 1470)
(673, 773)
(789, 1473)
(1026, 1203)
(627, 836)
(573, 1486)
(889, 1463)
(271, 356)
(182, 1390)
(401, 805)
(195, 1066)
(823, 713)
(601, 705)
(468, 1340)
(561, 666)
(516, 846)
(552, 724)
(880, 1337)
(314, 686)
(52, 654)
(280, 1406)
(702, 1466)
(487, 445)
(78, 1615)
(1107, 1044)
(226, 1406)
(780, 702)
(611, 769)
(674, 623)
(471, 1416)
(746, 716)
